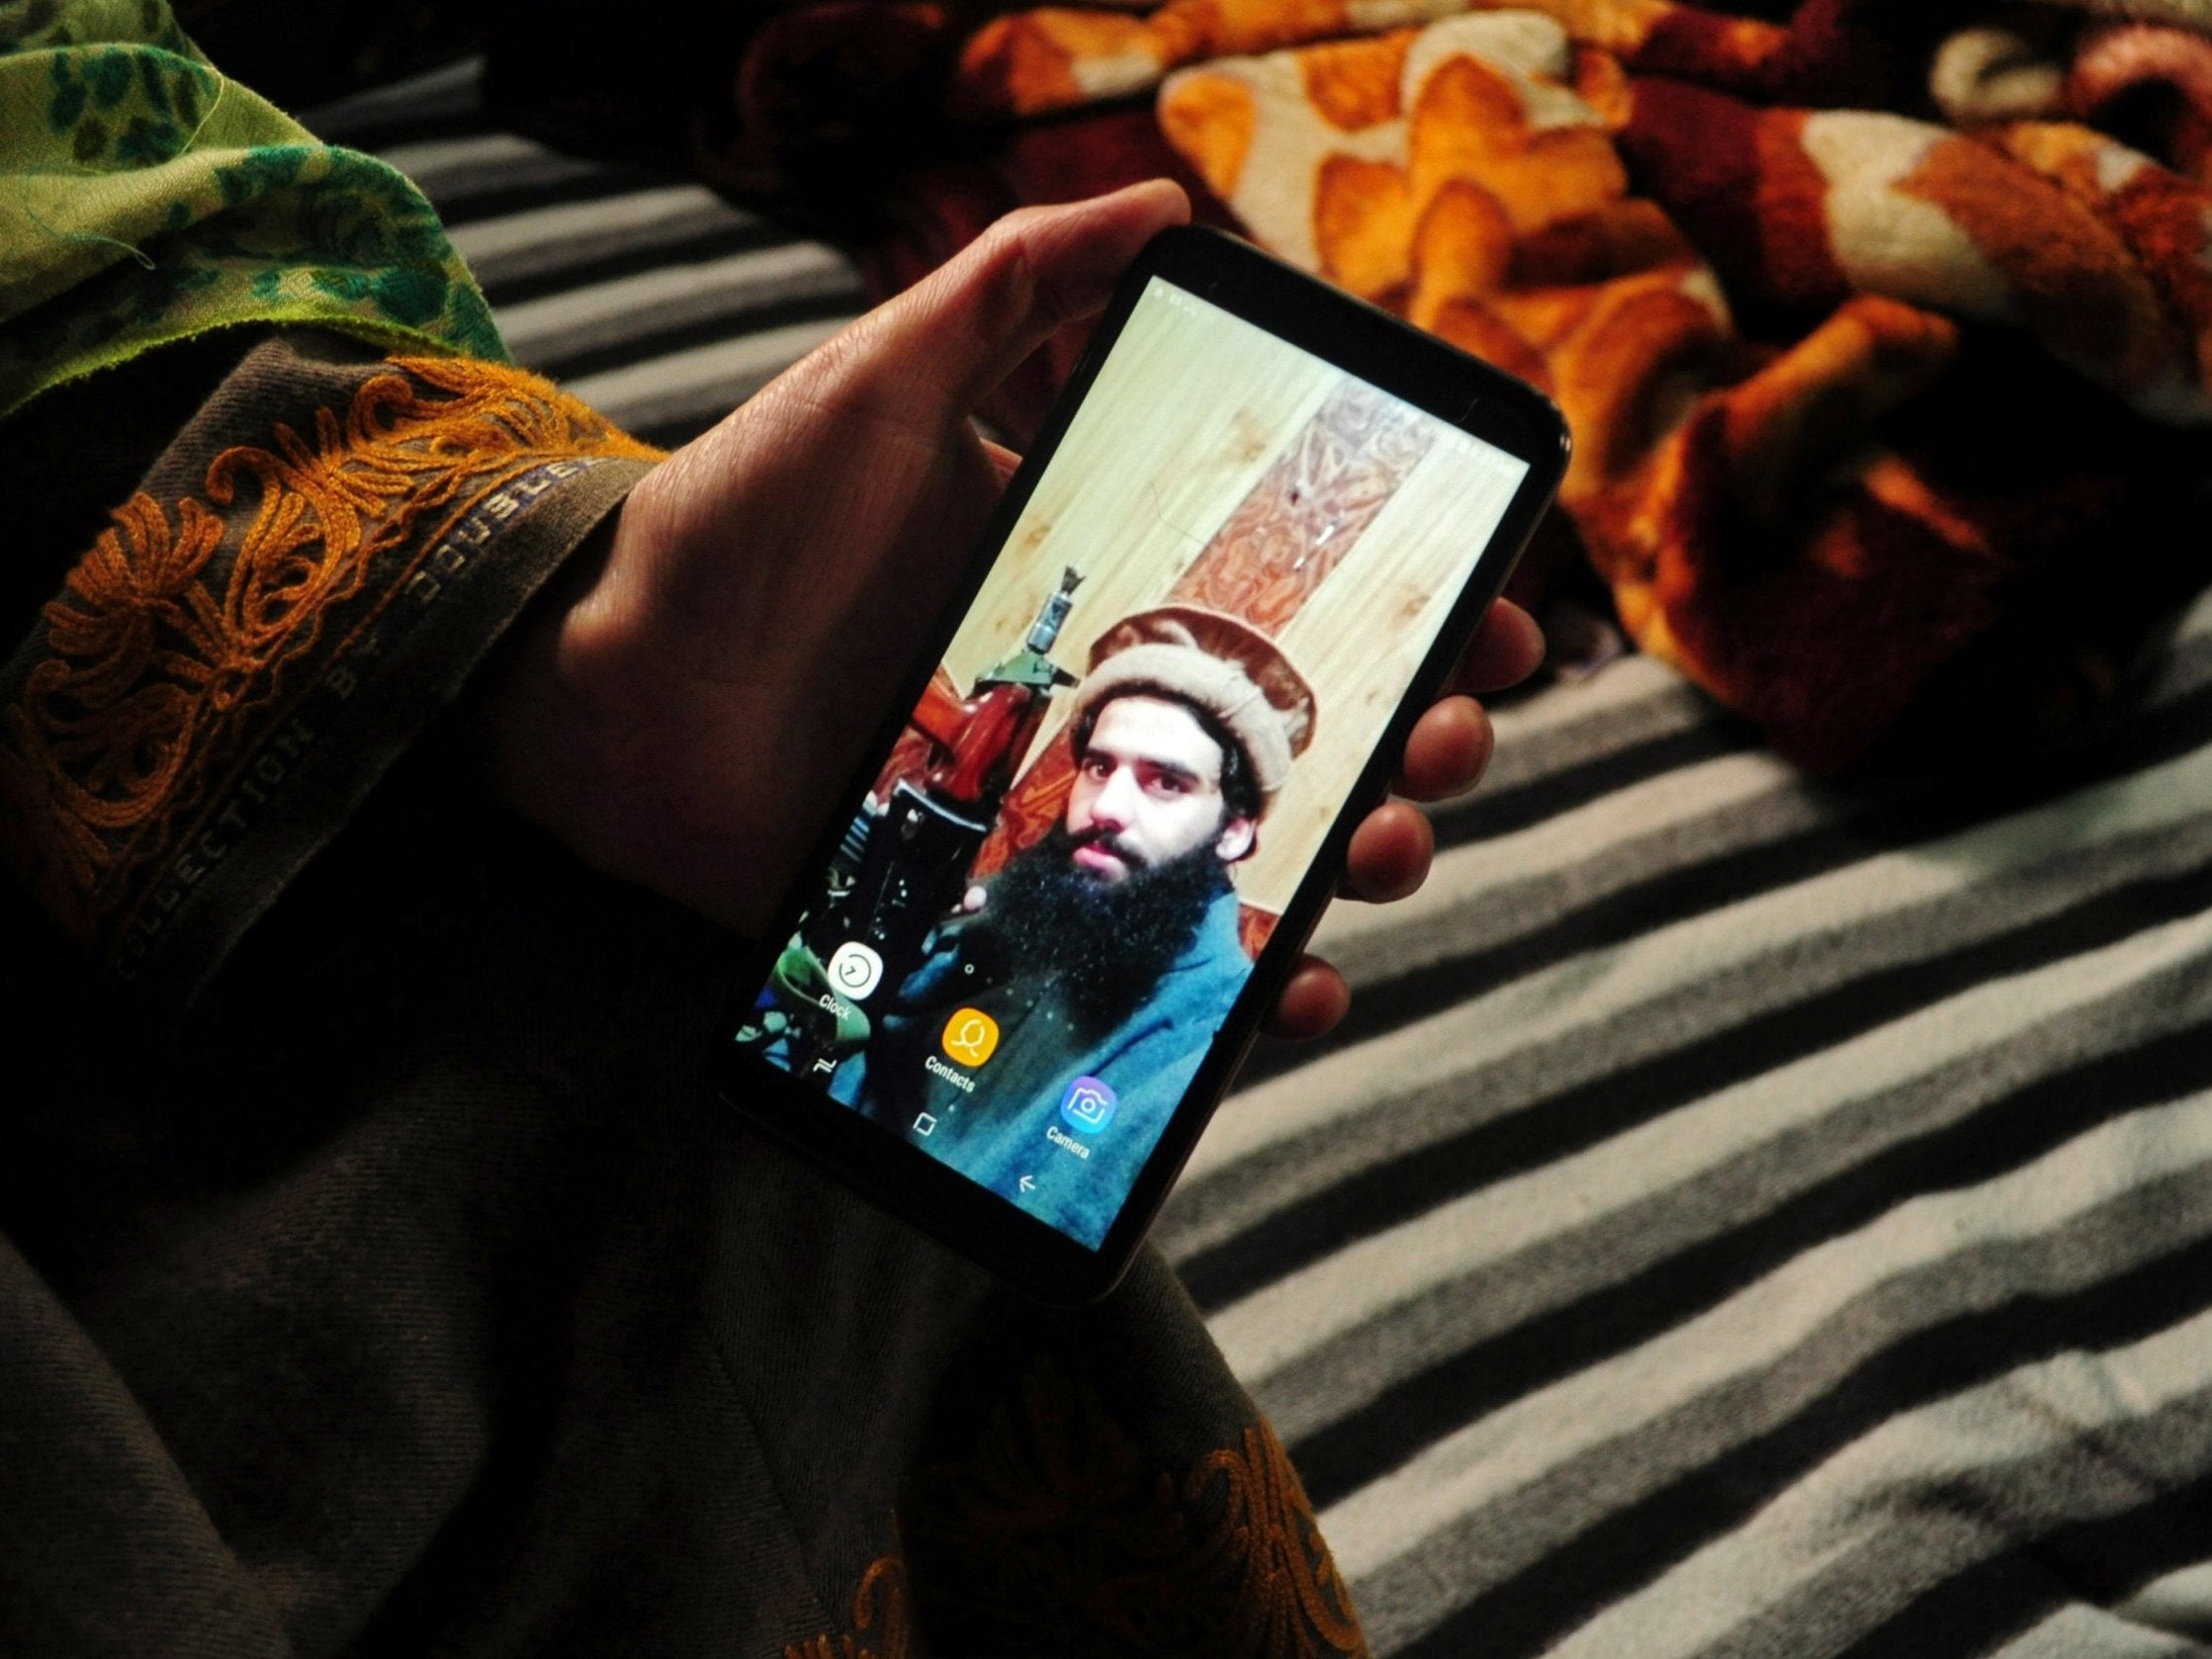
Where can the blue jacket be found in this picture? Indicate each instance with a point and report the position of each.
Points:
(1010, 1123)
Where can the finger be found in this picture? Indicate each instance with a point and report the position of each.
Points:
(1389, 854)
(1450, 746)
(1506, 649)
(1002, 459)
(1312, 1003)
(939, 348)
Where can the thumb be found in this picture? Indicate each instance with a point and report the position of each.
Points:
(934, 353)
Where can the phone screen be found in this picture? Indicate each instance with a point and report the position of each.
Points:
(1182, 657)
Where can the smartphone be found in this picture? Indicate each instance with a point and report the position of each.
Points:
(1081, 857)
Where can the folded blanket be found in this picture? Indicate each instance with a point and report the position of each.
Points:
(1890, 374)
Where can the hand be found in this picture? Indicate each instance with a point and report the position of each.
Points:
(686, 717)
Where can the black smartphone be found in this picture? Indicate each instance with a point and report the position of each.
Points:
(1079, 860)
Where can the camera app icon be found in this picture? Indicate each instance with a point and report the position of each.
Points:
(1087, 1106)
(856, 970)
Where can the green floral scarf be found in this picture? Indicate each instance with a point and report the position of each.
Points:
(144, 199)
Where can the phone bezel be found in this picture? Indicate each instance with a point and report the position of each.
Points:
(1397, 358)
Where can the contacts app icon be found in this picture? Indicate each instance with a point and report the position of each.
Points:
(971, 1036)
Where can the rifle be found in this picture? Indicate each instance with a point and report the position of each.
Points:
(904, 867)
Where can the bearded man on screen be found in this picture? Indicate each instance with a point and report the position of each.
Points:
(1104, 957)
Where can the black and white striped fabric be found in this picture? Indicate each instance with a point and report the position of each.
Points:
(653, 300)
(1742, 1216)
(1751, 1217)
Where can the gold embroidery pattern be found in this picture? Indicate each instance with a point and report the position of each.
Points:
(879, 1620)
(1060, 1534)
(1289, 1596)
(175, 632)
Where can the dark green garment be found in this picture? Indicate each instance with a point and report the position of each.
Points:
(377, 1273)
(434, 1308)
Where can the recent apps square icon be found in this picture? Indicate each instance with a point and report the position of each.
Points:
(1087, 1106)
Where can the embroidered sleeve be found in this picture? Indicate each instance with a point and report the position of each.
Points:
(1063, 1531)
(301, 584)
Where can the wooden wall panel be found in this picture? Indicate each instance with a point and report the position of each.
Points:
(1309, 510)
(1365, 631)
(1158, 461)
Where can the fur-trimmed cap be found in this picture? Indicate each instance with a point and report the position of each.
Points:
(1225, 667)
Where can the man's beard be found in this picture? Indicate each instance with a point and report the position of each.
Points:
(1107, 942)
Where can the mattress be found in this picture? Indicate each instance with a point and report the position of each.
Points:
(1741, 1214)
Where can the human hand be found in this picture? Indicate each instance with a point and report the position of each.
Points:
(687, 717)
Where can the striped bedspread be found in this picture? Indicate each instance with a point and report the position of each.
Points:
(1741, 1216)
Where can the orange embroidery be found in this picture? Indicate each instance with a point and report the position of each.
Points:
(1289, 1596)
(163, 650)
(1063, 1535)
(879, 1611)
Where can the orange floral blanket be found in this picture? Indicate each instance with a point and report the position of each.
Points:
(1884, 330)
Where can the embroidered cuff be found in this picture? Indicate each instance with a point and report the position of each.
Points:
(301, 583)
